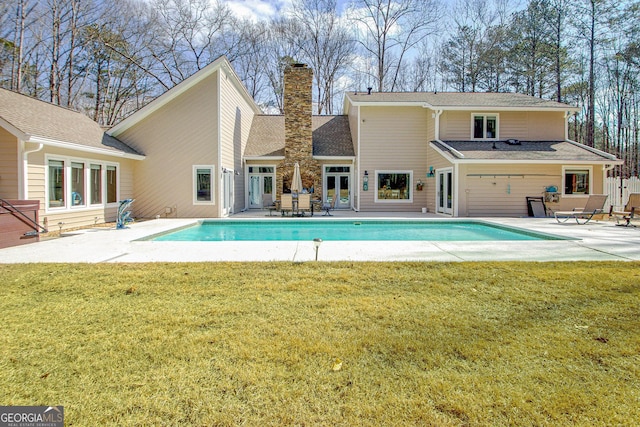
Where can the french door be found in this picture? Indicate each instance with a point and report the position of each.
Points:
(260, 182)
(337, 184)
(444, 194)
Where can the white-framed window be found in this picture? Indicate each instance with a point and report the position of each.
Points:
(394, 186)
(484, 126)
(577, 180)
(203, 185)
(75, 183)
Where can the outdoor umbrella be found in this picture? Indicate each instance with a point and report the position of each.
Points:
(296, 182)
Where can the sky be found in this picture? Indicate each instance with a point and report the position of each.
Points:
(257, 10)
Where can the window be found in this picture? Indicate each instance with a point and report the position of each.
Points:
(77, 184)
(56, 184)
(112, 184)
(485, 126)
(394, 186)
(577, 181)
(74, 183)
(95, 184)
(202, 182)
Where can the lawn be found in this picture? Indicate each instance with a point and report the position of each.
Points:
(442, 344)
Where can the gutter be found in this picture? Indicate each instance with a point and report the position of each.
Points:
(84, 148)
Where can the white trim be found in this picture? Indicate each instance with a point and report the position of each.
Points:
(359, 166)
(595, 151)
(218, 176)
(335, 158)
(83, 148)
(179, 89)
(194, 188)
(260, 158)
(14, 130)
(409, 172)
(456, 152)
(485, 115)
(68, 207)
(576, 167)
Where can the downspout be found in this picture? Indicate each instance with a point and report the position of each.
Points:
(23, 187)
(218, 167)
(358, 160)
(436, 116)
(567, 114)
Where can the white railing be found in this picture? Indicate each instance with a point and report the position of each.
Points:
(619, 198)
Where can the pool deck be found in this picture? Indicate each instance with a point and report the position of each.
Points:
(596, 241)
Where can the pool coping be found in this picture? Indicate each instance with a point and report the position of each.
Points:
(538, 235)
(596, 241)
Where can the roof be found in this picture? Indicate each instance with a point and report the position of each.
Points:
(33, 120)
(458, 100)
(331, 136)
(221, 63)
(532, 151)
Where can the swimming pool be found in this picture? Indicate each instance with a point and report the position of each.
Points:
(348, 230)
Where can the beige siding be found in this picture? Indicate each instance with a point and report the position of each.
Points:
(393, 139)
(484, 194)
(174, 138)
(8, 165)
(80, 216)
(236, 116)
(526, 126)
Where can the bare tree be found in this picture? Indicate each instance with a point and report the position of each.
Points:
(389, 30)
(324, 42)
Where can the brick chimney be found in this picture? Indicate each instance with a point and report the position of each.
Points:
(298, 142)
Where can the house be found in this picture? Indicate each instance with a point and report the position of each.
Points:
(63, 160)
(205, 149)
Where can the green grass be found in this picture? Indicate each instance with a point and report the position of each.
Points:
(461, 344)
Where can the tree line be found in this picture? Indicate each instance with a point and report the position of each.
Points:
(108, 58)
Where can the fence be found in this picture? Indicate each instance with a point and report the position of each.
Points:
(619, 189)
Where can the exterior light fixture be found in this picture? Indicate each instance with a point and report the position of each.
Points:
(316, 244)
(365, 181)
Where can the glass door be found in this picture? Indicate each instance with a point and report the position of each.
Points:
(444, 195)
(337, 184)
(260, 182)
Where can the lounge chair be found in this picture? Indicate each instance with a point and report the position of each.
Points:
(304, 203)
(631, 211)
(268, 203)
(593, 207)
(327, 206)
(286, 204)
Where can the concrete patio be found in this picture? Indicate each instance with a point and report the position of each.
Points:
(596, 241)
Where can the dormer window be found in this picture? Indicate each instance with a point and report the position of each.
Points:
(485, 126)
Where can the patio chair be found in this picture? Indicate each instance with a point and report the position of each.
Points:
(327, 206)
(286, 204)
(268, 203)
(304, 203)
(630, 211)
(594, 206)
(536, 207)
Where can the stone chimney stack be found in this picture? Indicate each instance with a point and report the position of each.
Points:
(298, 140)
(298, 80)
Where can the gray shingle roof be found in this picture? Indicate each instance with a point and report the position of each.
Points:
(459, 99)
(36, 118)
(527, 150)
(331, 136)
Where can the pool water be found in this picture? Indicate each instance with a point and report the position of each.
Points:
(342, 230)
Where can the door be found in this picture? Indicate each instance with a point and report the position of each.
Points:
(338, 183)
(227, 192)
(444, 194)
(260, 182)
